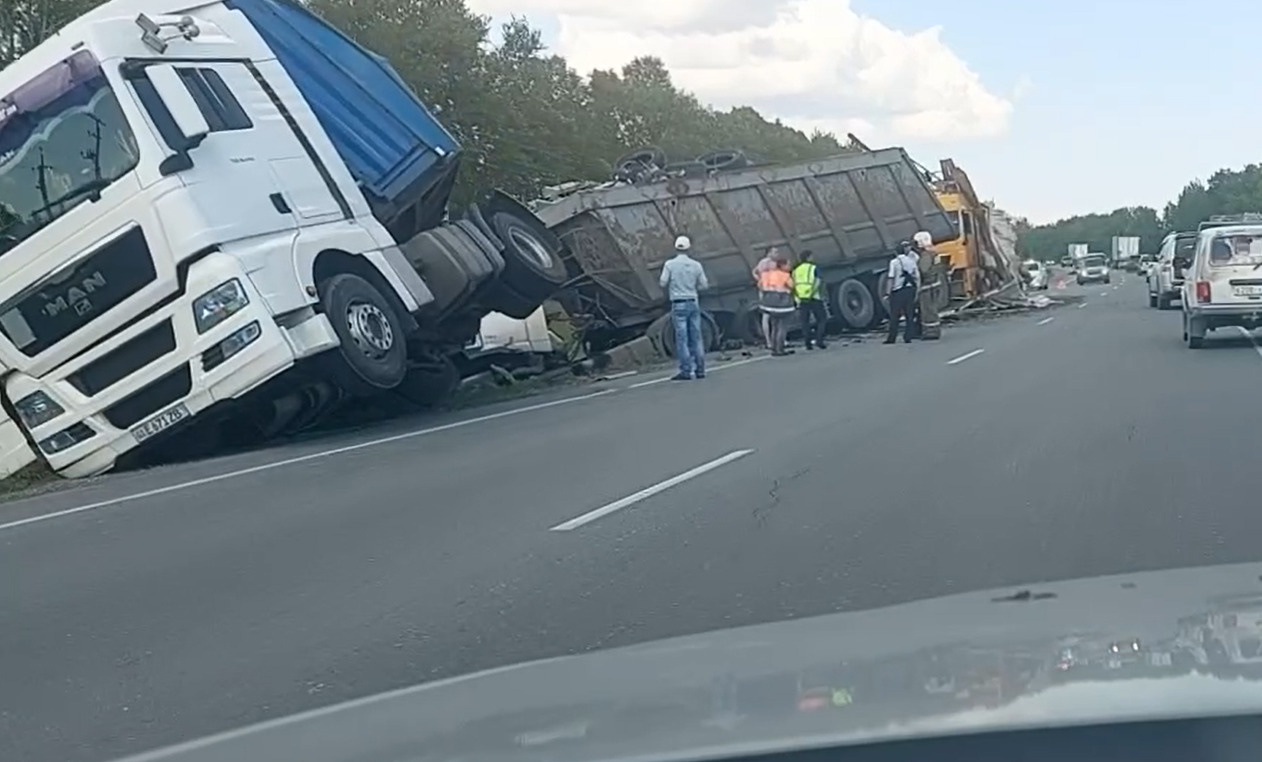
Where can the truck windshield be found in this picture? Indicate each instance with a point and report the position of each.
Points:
(63, 138)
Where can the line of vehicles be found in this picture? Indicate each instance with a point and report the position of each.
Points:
(1214, 272)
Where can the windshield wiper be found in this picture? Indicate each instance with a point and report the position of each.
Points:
(92, 189)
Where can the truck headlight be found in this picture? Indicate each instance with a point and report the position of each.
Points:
(218, 304)
(67, 438)
(37, 409)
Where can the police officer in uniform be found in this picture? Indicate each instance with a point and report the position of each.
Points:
(904, 278)
(929, 323)
(807, 291)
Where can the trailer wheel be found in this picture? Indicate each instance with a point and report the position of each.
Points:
(430, 383)
(749, 325)
(649, 156)
(504, 299)
(662, 333)
(854, 303)
(372, 356)
(532, 267)
(723, 160)
(883, 293)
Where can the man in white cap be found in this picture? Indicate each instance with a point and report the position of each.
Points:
(683, 278)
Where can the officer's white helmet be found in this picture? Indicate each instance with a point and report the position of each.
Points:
(923, 239)
(683, 243)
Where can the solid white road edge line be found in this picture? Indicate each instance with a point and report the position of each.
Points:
(1045, 321)
(649, 383)
(648, 492)
(711, 369)
(300, 459)
(1249, 335)
(964, 357)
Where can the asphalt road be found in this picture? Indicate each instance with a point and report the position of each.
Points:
(153, 607)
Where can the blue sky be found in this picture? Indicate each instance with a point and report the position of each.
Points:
(1101, 93)
(1108, 119)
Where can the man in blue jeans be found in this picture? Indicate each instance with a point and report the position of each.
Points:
(682, 278)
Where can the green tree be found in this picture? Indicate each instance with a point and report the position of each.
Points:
(1226, 192)
(26, 23)
(523, 116)
(1095, 230)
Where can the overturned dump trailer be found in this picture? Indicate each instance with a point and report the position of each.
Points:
(851, 210)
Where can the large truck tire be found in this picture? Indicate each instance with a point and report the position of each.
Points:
(430, 384)
(662, 333)
(372, 356)
(504, 299)
(854, 303)
(649, 156)
(533, 266)
(883, 293)
(748, 325)
(723, 160)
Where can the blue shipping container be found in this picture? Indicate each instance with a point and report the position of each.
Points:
(389, 139)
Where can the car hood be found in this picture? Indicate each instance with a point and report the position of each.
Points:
(1175, 643)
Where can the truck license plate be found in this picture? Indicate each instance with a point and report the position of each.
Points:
(160, 422)
(1247, 290)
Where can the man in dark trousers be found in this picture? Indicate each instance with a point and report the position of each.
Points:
(928, 321)
(807, 290)
(904, 281)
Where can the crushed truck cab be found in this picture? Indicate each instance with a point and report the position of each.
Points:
(233, 203)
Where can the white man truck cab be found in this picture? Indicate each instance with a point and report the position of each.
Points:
(197, 198)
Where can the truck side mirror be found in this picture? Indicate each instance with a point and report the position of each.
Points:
(179, 101)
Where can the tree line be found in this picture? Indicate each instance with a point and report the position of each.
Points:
(1227, 191)
(525, 118)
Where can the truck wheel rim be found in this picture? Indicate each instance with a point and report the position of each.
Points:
(531, 248)
(370, 329)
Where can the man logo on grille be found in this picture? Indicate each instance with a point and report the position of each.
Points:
(75, 297)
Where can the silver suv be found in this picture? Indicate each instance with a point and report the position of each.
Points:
(1223, 287)
(1166, 277)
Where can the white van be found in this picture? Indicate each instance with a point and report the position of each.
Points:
(1223, 286)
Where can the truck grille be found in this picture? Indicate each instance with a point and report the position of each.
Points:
(109, 369)
(62, 304)
(149, 400)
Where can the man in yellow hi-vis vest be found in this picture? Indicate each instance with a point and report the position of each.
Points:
(807, 289)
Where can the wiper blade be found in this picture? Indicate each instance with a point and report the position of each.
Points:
(91, 189)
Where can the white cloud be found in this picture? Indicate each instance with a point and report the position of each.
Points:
(813, 63)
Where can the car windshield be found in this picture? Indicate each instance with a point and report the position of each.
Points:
(63, 137)
(1236, 249)
(1093, 261)
(1034, 266)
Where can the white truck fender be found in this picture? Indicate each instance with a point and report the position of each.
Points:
(400, 274)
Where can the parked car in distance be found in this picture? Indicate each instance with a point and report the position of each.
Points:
(1039, 274)
(1223, 287)
(1093, 268)
(1166, 281)
(1145, 265)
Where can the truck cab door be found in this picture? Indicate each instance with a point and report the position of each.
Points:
(250, 175)
(294, 172)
